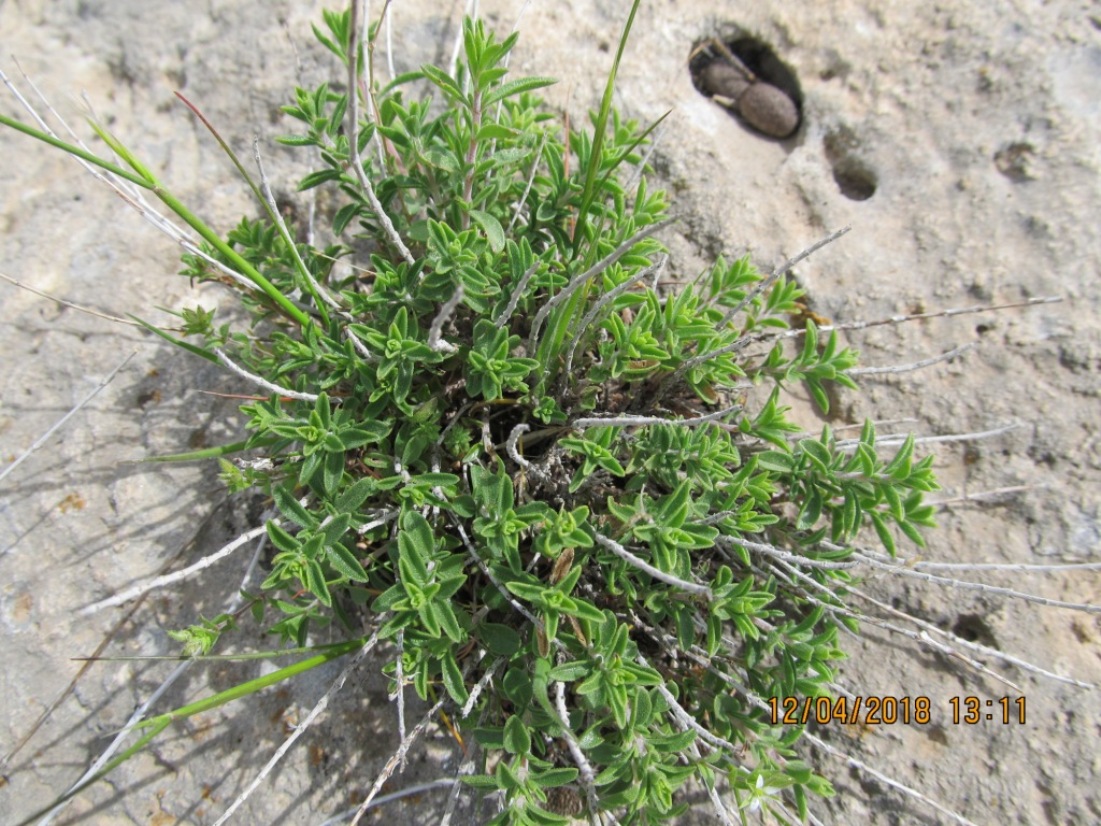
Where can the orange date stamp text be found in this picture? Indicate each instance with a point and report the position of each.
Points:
(873, 710)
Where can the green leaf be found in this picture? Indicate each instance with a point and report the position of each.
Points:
(416, 538)
(616, 697)
(337, 527)
(499, 639)
(289, 506)
(495, 131)
(444, 615)
(353, 496)
(674, 508)
(517, 740)
(811, 510)
(676, 743)
(317, 178)
(866, 455)
(884, 534)
(552, 778)
(810, 343)
(344, 216)
(282, 540)
(912, 533)
(449, 586)
(444, 81)
(800, 801)
(775, 461)
(817, 452)
(583, 610)
(389, 598)
(441, 480)
(600, 128)
(345, 563)
(517, 87)
(453, 678)
(527, 592)
(899, 468)
(550, 624)
(442, 159)
(894, 502)
(332, 471)
(364, 433)
(420, 678)
(850, 514)
(642, 711)
(818, 393)
(426, 614)
(410, 564)
(571, 672)
(296, 140)
(495, 233)
(479, 781)
(311, 464)
(517, 687)
(198, 455)
(315, 583)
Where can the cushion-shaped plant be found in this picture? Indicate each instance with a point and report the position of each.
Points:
(494, 436)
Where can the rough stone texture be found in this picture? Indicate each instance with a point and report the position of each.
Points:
(962, 142)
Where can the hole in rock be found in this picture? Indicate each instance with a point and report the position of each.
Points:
(744, 74)
(854, 178)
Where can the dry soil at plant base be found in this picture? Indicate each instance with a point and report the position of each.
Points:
(978, 126)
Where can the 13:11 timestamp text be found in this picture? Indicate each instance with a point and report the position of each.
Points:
(875, 710)
(973, 710)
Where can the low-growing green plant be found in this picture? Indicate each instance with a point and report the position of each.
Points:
(498, 440)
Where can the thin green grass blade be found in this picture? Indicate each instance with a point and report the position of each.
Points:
(206, 453)
(280, 226)
(243, 266)
(179, 342)
(624, 155)
(577, 303)
(159, 723)
(253, 655)
(635, 144)
(252, 686)
(225, 148)
(173, 203)
(599, 130)
(74, 150)
(145, 179)
(120, 149)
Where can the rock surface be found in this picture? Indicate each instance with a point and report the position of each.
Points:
(962, 143)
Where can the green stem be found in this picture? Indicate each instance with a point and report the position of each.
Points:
(179, 342)
(600, 128)
(144, 178)
(269, 207)
(540, 684)
(207, 453)
(471, 155)
(74, 150)
(225, 249)
(161, 722)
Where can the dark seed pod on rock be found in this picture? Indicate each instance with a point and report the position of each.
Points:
(720, 78)
(761, 105)
(766, 108)
(744, 74)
